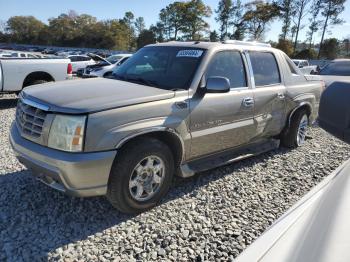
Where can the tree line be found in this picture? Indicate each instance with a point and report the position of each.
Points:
(184, 21)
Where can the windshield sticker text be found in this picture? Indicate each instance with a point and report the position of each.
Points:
(189, 53)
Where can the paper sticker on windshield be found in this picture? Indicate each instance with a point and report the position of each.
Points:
(189, 53)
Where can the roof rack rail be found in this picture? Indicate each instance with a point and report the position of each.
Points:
(253, 43)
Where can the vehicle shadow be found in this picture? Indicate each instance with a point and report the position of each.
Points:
(35, 219)
(7, 103)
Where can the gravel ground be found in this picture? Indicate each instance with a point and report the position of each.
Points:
(212, 216)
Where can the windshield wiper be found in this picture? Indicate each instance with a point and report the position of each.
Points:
(141, 80)
(138, 80)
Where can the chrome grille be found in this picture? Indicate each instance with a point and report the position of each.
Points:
(30, 120)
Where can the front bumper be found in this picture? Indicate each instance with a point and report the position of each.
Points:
(76, 174)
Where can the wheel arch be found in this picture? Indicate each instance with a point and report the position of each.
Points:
(166, 135)
(302, 106)
(37, 75)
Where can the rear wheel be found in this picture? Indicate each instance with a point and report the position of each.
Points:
(294, 136)
(36, 82)
(140, 176)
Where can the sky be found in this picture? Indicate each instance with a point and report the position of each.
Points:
(108, 9)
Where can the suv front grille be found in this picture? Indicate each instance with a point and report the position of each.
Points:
(30, 120)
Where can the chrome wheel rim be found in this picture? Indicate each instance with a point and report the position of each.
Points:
(146, 178)
(302, 130)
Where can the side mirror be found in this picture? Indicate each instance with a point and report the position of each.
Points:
(217, 84)
(334, 110)
(301, 66)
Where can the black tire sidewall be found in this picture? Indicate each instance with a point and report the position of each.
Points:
(295, 126)
(289, 137)
(118, 186)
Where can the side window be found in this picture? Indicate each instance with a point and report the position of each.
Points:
(122, 61)
(265, 68)
(228, 64)
(73, 59)
(291, 65)
(23, 55)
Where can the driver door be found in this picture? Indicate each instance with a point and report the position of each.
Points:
(220, 121)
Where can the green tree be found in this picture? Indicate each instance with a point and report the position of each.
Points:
(286, 14)
(300, 9)
(128, 20)
(139, 25)
(146, 37)
(258, 17)
(194, 24)
(24, 29)
(330, 49)
(306, 54)
(238, 22)
(347, 45)
(158, 31)
(224, 17)
(330, 9)
(286, 46)
(214, 36)
(172, 17)
(314, 22)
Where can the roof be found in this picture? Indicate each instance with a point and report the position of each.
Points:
(210, 45)
(341, 60)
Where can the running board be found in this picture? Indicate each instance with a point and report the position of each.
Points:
(223, 158)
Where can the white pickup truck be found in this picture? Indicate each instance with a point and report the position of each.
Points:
(15, 74)
(305, 67)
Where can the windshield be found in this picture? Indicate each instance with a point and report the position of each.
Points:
(339, 68)
(168, 67)
(113, 58)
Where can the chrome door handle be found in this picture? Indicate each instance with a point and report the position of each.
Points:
(248, 102)
(280, 95)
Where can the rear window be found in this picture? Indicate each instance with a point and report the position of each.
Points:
(265, 68)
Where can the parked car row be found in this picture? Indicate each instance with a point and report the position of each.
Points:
(103, 66)
(305, 67)
(12, 54)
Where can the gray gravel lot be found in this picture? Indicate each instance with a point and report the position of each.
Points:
(214, 215)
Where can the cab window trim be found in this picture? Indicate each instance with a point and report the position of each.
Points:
(278, 68)
(246, 69)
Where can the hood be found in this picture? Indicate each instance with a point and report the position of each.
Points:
(329, 79)
(98, 58)
(92, 95)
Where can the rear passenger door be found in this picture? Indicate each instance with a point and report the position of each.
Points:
(269, 93)
(222, 120)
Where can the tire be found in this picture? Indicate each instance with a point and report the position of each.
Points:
(289, 136)
(36, 82)
(107, 74)
(121, 190)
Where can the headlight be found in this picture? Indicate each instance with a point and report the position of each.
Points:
(67, 133)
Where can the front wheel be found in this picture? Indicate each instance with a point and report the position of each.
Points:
(141, 175)
(294, 136)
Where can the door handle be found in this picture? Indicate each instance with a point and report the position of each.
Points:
(280, 95)
(248, 102)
